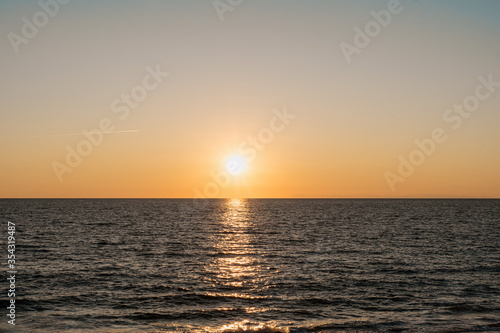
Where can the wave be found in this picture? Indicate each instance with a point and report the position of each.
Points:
(361, 326)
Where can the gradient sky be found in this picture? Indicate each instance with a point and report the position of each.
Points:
(353, 120)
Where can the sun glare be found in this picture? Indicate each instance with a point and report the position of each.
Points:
(235, 165)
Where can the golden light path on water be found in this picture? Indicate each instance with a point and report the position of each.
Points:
(236, 266)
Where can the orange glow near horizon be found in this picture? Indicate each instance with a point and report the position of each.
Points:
(190, 106)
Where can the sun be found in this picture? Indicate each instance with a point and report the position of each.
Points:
(235, 165)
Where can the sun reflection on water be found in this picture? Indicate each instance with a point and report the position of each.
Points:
(235, 264)
(236, 269)
(247, 326)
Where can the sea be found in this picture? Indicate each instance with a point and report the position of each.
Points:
(253, 265)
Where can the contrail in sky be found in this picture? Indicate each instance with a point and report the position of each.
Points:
(78, 134)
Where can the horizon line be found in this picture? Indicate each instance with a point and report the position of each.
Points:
(257, 198)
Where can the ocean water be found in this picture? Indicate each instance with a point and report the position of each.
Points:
(255, 265)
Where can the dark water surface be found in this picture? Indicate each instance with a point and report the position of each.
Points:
(254, 265)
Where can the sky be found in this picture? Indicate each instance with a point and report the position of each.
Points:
(316, 99)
